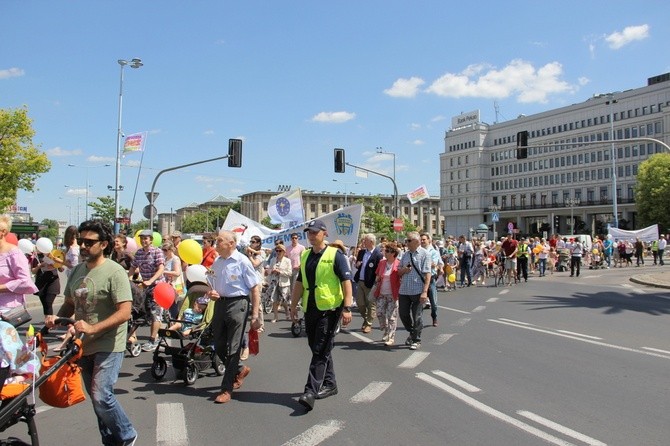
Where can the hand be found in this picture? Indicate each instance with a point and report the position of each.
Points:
(346, 318)
(256, 324)
(213, 295)
(50, 320)
(294, 314)
(84, 327)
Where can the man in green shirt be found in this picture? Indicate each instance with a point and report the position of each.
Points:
(98, 294)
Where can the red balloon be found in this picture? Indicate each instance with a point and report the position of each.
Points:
(164, 295)
(11, 238)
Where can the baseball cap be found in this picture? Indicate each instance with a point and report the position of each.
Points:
(315, 226)
(202, 300)
(176, 234)
(147, 233)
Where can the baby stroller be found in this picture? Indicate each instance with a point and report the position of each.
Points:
(563, 263)
(195, 350)
(138, 318)
(18, 405)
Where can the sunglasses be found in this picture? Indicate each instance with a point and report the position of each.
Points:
(279, 250)
(255, 241)
(87, 242)
(389, 250)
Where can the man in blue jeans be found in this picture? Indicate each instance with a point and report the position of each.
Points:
(98, 294)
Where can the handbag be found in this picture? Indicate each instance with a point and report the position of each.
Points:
(254, 344)
(64, 388)
(16, 316)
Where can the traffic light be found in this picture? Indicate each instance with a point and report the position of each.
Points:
(234, 153)
(521, 145)
(557, 221)
(339, 161)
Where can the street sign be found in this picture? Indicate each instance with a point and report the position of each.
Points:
(510, 227)
(398, 225)
(495, 217)
(147, 211)
(151, 200)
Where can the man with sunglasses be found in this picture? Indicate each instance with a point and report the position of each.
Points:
(414, 271)
(294, 252)
(98, 294)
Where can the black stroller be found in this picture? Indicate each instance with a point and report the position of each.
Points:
(21, 408)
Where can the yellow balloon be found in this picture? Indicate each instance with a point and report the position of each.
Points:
(595, 251)
(190, 251)
(451, 278)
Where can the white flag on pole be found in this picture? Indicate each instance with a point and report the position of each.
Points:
(287, 207)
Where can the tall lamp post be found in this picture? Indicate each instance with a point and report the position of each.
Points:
(134, 63)
(611, 101)
(395, 199)
(572, 202)
(88, 185)
(346, 202)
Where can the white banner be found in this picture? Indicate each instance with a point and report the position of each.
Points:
(418, 194)
(647, 235)
(343, 224)
(287, 208)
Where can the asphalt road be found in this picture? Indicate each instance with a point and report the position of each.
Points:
(557, 360)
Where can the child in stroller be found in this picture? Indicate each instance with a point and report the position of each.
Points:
(191, 317)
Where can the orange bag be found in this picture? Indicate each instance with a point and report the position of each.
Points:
(254, 344)
(64, 388)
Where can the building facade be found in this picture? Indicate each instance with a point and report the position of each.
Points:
(564, 183)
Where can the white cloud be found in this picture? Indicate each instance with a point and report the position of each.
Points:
(418, 142)
(438, 118)
(77, 192)
(583, 81)
(333, 117)
(132, 163)
(11, 72)
(208, 132)
(94, 159)
(405, 88)
(206, 179)
(59, 151)
(415, 126)
(519, 78)
(629, 34)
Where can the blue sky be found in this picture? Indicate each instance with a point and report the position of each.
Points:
(295, 79)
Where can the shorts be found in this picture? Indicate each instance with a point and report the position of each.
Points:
(510, 264)
(153, 311)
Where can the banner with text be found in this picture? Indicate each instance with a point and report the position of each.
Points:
(286, 208)
(647, 235)
(418, 194)
(134, 143)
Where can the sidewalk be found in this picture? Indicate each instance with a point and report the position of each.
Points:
(657, 280)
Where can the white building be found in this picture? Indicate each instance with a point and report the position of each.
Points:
(480, 174)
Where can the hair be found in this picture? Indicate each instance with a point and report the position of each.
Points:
(413, 235)
(103, 230)
(371, 237)
(255, 238)
(6, 222)
(295, 234)
(123, 239)
(168, 246)
(427, 235)
(70, 236)
(392, 246)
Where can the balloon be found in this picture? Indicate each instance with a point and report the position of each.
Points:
(537, 250)
(190, 251)
(158, 239)
(11, 238)
(196, 273)
(164, 295)
(131, 245)
(595, 251)
(451, 278)
(137, 237)
(26, 246)
(44, 245)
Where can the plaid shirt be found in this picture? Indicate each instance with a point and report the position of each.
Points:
(411, 283)
(148, 262)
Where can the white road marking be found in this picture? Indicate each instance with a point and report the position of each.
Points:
(491, 411)
(580, 334)
(505, 291)
(414, 360)
(43, 409)
(371, 392)
(461, 322)
(453, 309)
(442, 338)
(359, 336)
(493, 299)
(589, 341)
(514, 322)
(459, 382)
(479, 309)
(651, 349)
(316, 434)
(560, 428)
(171, 425)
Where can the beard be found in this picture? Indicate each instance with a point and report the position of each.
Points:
(87, 256)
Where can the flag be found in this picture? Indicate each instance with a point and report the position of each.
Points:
(343, 224)
(286, 207)
(135, 142)
(418, 194)
(361, 173)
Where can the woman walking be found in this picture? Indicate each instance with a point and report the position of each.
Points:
(280, 281)
(71, 249)
(386, 292)
(15, 278)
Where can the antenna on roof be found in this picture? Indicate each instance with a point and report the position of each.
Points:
(496, 107)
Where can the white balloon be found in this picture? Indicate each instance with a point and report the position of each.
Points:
(26, 246)
(196, 273)
(44, 245)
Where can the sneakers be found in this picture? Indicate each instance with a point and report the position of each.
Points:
(385, 337)
(414, 345)
(150, 346)
(390, 341)
(408, 341)
(222, 398)
(130, 442)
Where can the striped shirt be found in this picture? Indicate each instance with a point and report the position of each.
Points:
(411, 283)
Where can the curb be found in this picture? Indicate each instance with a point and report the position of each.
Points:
(640, 280)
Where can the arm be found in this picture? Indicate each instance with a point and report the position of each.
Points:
(255, 304)
(121, 315)
(158, 274)
(348, 298)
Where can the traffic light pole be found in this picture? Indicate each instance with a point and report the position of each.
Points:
(395, 188)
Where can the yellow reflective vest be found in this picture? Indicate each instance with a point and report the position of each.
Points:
(328, 289)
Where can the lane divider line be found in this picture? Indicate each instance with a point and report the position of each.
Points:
(514, 322)
(414, 360)
(580, 334)
(171, 425)
(358, 336)
(442, 338)
(316, 434)
(459, 382)
(493, 299)
(455, 310)
(505, 291)
(371, 392)
(658, 350)
(461, 322)
(479, 309)
(560, 428)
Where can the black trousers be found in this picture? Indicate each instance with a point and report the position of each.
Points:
(575, 262)
(228, 325)
(320, 328)
(522, 268)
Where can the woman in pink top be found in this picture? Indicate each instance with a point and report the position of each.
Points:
(386, 292)
(15, 278)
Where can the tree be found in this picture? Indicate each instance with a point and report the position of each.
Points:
(22, 162)
(652, 191)
(104, 209)
(205, 221)
(51, 230)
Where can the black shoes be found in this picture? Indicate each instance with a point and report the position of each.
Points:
(326, 391)
(307, 400)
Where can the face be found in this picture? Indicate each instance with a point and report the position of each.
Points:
(368, 243)
(316, 237)
(389, 253)
(256, 244)
(279, 252)
(224, 245)
(425, 241)
(145, 241)
(199, 308)
(119, 244)
(90, 246)
(294, 239)
(412, 243)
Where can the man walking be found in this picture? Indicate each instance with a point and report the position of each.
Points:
(436, 265)
(98, 294)
(324, 286)
(522, 253)
(662, 243)
(576, 252)
(293, 252)
(235, 285)
(414, 271)
(366, 261)
(465, 258)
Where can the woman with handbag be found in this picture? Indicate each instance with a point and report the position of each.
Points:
(47, 281)
(386, 292)
(173, 275)
(15, 278)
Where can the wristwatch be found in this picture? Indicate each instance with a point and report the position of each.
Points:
(346, 309)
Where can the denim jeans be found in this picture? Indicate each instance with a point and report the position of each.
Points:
(432, 297)
(100, 372)
(543, 266)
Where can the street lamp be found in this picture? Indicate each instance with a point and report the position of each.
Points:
(611, 101)
(87, 183)
(134, 63)
(78, 202)
(346, 203)
(395, 199)
(572, 202)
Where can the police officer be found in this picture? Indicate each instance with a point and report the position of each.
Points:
(522, 261)
(324, 285)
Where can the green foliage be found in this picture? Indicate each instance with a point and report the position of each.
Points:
(51, 230)
(376, 221)
(652, 191)
(21, 162)
(205, 221)
(268, 223)
(104, 209)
